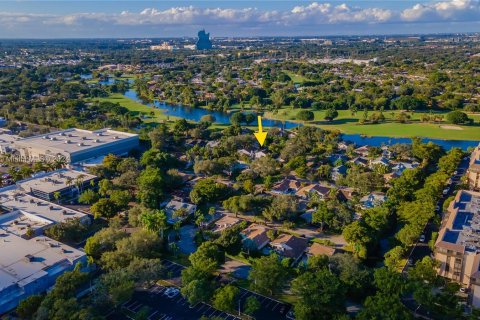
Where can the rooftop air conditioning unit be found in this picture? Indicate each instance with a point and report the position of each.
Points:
(80, 144)
(97, 140)
(67, 141)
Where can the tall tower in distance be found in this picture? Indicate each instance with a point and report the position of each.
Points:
(203, 42)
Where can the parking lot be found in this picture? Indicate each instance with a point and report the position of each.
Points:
(269, 308)
(178, 307)
(162, 307)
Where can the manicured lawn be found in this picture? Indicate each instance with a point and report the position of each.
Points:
(296, 78)
(348, 123)
(138, 108)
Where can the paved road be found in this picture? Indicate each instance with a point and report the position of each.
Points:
(421, 250)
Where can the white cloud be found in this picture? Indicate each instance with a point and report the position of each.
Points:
(308, 16)
(453, 10)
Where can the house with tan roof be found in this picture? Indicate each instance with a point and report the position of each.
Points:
(314, 188)
(224, 223)
(317, 249)
(286, 186)
(255, 237)
(289, 246)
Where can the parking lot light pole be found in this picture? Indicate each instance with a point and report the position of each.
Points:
(239, 313)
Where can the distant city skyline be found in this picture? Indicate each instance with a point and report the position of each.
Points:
(148, 19)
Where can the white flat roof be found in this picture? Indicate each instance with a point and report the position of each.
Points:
(6, 138)
(18, 223)
(74, 140)
(54, 181)
(13, 200)
(45, 253)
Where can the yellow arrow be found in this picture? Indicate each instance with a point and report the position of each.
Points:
(260, 135)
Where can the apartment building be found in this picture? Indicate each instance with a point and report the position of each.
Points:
(473, 172)
(458, 244)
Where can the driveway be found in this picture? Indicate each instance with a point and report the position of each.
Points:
(237, 268)
(186, 243)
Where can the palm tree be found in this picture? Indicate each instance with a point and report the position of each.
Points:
(57, 195)
(60, 162)
(154, 220)
(79, 182)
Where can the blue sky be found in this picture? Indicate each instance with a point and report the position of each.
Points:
(87, 19)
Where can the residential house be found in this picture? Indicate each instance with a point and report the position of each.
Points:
(362, 151)
(399, 167)
(317, 249)
(260, 154)
(288, 246)
(360, 161)
(380, 161)
(339, 172)
(387, 153)
(337, 157)
(347, 193)
(178, 211)
(314, 188)
(224, 223)
(373, 199)
(255, 237)
(286, 186)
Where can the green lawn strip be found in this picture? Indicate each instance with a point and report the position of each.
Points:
(238, 257)
(296, 78)
(288, 298)
(348, 123)
(137, 108)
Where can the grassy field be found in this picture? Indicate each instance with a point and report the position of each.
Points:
(296, 78)
(138, 108)
(348, 123)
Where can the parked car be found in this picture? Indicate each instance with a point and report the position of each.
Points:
(290, 315)
(445, 191)
(173, 293)
(422, 238)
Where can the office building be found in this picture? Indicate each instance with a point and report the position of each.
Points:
(203, 42)
(29, 261)
(74, 145)
(60, 185)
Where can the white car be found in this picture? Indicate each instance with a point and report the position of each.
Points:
(422, 238)
(173, 293)
(168, 290)
(445, 191)
(290, 315)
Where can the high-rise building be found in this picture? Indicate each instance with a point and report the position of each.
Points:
(203, 42)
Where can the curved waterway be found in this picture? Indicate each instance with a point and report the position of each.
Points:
(195, 114)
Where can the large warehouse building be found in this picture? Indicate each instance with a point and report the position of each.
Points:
(75, 145)
(29, 261)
